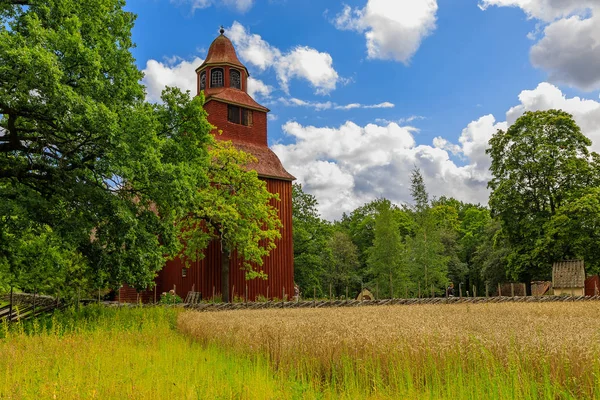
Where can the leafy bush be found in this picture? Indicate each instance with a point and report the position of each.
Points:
(170, 298)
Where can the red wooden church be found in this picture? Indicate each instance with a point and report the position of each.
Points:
(223, 78)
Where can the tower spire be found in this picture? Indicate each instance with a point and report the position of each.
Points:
(222, 30)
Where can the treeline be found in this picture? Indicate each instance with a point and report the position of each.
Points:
(544, 207)
(394, 250)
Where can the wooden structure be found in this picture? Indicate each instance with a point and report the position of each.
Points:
(224, 81)
(365, 295)
(592, 285)
(568, 277)
(540, 288)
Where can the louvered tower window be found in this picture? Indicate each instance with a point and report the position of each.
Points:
(216, 78)
(203, 81)
(235, 79)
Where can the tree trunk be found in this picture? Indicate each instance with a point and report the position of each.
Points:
(225, 258)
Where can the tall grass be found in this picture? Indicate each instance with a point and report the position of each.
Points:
(491, 351)
(101, 353)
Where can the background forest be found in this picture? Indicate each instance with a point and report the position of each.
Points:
(544, 207)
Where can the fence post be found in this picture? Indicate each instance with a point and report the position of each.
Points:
(10, 307)
(268, 293)
(283, 294)
(246, 299)
(377, 290)
(315, 297)
(78, 297)
(154, 293)
(330, 292)
(34, 294)
(346, 293)
(419, 290)
(487, 290)
(595, 288)
(512, 289)
(499, 290)
(391, 287)
(460, 290)
(474, 291)
(432, 294)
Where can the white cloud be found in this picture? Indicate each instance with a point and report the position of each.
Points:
(570, 51)
(319, 106)
(294, 102)
(173, 72)
(545, 10)
(310, 64)
(239, 5)
(346, 166)
(302, 62)
(393, 29)
(252, 48)
(257, 88)
(570, 47)
(546, 96)
(272, 117)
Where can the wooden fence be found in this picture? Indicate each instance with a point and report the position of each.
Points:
(364, 303)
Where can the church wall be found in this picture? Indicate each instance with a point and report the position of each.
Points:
(255, 134)
(204, 275)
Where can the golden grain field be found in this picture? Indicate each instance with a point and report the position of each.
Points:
(509, 350)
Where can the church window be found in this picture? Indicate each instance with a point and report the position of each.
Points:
(216, 78)
(246, 117)
(233, 114)
(239, 115)
(203, 80)
(235, 79)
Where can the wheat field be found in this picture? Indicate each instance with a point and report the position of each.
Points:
(520, 351)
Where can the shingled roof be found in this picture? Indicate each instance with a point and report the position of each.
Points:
(568, 274)
(221, 51)
(233, 96)
(269, 165)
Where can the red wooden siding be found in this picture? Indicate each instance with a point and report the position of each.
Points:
(592, 285)
(205, 275)
(127, 294)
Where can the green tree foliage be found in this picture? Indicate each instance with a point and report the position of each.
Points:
(343, 268)
(574, 231)
(539, 164)
(360, 225)
(428, 259)
(237, 209)
(491, 255)
(89, 171)
(387, 256)
(311, 237)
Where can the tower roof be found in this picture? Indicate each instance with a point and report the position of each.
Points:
(221, 51)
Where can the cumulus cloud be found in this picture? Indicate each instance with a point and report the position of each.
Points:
(301, 62)
(239, 5)
(545, 10)
(569, 49)
(252, 48)
(393, 30)
(546, 96)
(348, 165)
(257, 88)
(307, 63)
(173, 72)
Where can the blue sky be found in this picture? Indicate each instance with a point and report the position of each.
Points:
(362, 91)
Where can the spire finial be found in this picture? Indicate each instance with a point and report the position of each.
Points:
(222, 30)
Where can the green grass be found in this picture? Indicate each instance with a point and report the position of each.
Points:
(138, 353)
(132, 353)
